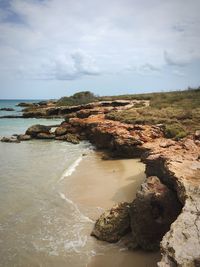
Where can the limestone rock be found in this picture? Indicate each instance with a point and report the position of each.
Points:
(167, 143)
(113, 224)
(7, 109)
(24, 104)
(12, 139)
(34, 130)
(24, 137)
(67, 117)
(152, 212)
(34, 113)
(181, 245)
(60, 131)
(45, 136)
(197, 135)
(72, 138)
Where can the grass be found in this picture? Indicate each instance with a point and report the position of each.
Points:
(80, 98)
(188, 98)
(178, 111)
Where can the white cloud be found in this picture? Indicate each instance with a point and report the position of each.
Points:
(64, 67)
(61, 39)
(179, 59)
(178, 73)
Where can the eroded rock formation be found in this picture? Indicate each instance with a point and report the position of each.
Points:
(152, 213)
(175, 163)
(7, 109)
(113, 224)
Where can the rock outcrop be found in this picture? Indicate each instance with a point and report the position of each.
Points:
(147, 218)
(71, 138)
(50, 110)
(7, 109)
(24, 137)
(61, 131)
(44, 135)
(176, 165)
(113, 224)
(122, 139)
(12, 139)
(160, 207)
(34, 130)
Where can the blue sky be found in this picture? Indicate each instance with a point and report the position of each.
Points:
(51, 48)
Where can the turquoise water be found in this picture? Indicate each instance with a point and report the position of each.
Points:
(47, 209)
(36, 224)
(13, 104)
(19, 126)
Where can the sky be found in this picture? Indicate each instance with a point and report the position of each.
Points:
(52, 48)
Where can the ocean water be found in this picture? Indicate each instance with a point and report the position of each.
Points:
(13, 104)
(33, 215)
(47, 213)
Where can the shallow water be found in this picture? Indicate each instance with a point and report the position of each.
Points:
(34, 219)
(50, 196)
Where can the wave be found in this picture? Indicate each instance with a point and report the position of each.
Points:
(75, 244)
(81, 216)
(71, 168)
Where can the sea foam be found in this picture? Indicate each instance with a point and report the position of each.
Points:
(71, 168)
(81, 216)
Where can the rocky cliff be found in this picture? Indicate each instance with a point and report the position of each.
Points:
(176, 163)
(170, 197)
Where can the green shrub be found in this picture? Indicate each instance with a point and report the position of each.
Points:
(77, 99)
(139, 104)
(175, 131)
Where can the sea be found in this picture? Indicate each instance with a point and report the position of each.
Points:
(41, 223)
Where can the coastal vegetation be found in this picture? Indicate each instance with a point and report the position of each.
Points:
(77, 99)
(178, 111)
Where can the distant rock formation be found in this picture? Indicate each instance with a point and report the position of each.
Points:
(7, 109)
(167, 207)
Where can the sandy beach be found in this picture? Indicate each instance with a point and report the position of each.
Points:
(97, 185)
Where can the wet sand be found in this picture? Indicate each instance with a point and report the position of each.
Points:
(97, 185)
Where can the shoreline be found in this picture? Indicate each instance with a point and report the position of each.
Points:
(173, 164)
(95, 186)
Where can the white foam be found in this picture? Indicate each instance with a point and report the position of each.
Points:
(76, 244)
(71, 168)
(81, 216)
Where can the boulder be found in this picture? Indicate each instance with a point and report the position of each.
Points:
(197, 135)
(72, 138)
(7, 109)
(155, 208)
(60, 131)
(24, 104)
(85, 113)
(12, 139)
(45, 136)
(34, 130)
(167, 143)
(24, 137)
(35, 113)
(11, 117)
(69, 116)
(113, 224)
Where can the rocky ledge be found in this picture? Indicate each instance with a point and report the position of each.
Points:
(7, 109)
(177, 165)
(49, 109)
(166, 211)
